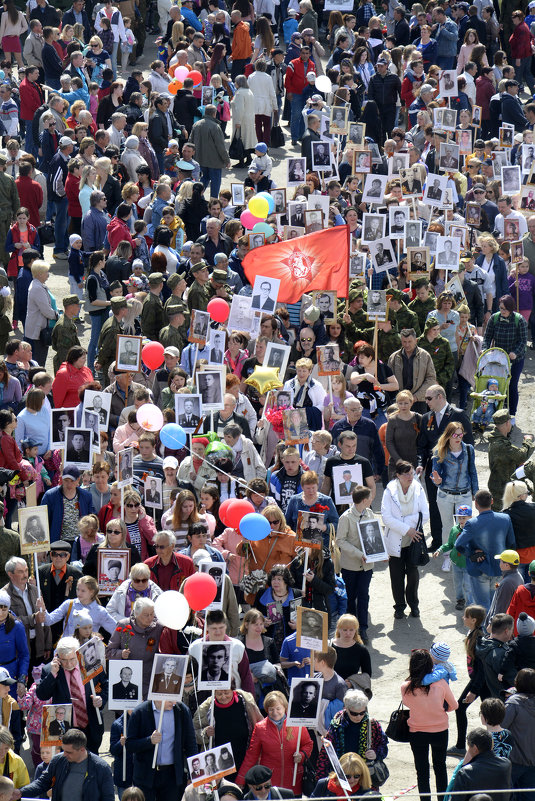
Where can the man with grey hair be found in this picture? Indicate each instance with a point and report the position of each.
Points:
(214, 241)
(24, 606)
(227, 415)
(168, 569)
(368, 443)
(116, 129)
(33, 46)
(211, 150)
(247, 462)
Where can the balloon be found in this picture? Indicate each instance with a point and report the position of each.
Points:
(223, 510)
(269, 199)
(264, 378)
(173, 87)
(323, 84)
(218, 309)
(149, 417)
(254, 527)
(152, 355)
(218, 447)
(173, 436)
(181, 73)
(258, 206)
(237, 510)
(199, 591)
(248, 220)
(195, 76)
(172, 609)
(263, 228)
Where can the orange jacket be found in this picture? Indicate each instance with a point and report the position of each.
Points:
(241, 42)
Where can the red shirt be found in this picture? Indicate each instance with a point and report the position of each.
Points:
(31, 196)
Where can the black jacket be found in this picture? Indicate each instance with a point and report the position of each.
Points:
(474, 301)
(140, 727)
(485, 773)
(57, 688)
(69, 19)
(236, 418)
(402, 32)
(132, 85)
(306, 145)
(97, 785)
(112, 190)
(52, 64)
(185, 108)
(494, 656)
(46, 16)
(429, 433)
(276, 792)
(322, 586)
(158, 131)
(133, 114)
(522, 516)
(52, 592)
(522, 652)
(384, 90)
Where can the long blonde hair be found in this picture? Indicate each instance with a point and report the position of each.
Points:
(443, 443)
(513, 491)
(351, 762)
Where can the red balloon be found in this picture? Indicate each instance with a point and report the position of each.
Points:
(195, 76)
(223, 510)
(152, 355)
(200, 590)
(237, 510)
(218, 309)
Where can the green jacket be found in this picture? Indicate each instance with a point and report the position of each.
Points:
(504, 458)
(422, 309)
(198, 296)
(171, 336)
(64, 337)
(406, 318)
(153, 317)
(387, 341)
(440, 352)
(457, 558)
(107, 344)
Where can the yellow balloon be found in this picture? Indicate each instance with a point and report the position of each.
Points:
(259, 206)
(263, 379)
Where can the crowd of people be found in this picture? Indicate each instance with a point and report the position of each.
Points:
(343, 427)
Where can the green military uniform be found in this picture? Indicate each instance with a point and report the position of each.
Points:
(220, 278)
(404, 317)
(9, 203)
(64, 334)
(387, 341)
(172, 282)
(172, 334)
(107, 341)
(198, 296)
(440, 351)
(153, 316)
(504, 458)
(422, 307)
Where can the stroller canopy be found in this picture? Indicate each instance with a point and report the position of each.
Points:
(494, 363)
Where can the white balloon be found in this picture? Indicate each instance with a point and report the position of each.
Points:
(323, 84)
(172, 609)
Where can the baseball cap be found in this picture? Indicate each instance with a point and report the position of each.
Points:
(531, 568)
(464, 511)
(172, 351)
(5, 678)
(71, 471)
(509, 556)
(170, 461)
(381, 61)
(65, 141)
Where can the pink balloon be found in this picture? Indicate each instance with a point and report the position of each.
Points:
(181, 73)
(149, 417)
(248, 220)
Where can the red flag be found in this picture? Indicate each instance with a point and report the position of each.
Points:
(314, 261)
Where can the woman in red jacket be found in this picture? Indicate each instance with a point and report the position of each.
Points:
(70, 377)
(521, 43)
(72, 190)
(20, 236)
(118, 229)
(10, 456)
(274, 744)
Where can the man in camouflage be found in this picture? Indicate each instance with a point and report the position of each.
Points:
(64, 333)
(355, 318)
(439, 349)
(405, 318)
(504, 456)
(424, 302)
(388, 340)
(172, 335)
(198, 296)
(217, 286)
(107, 341)
(153, 317)
(9, 203)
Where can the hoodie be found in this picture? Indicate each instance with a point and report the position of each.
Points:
(494, 656)
(520, 719)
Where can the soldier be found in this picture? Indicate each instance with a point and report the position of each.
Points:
(405, 318)
(198, 296)
(439, 349)
(504, 457)
(153, 317)
(424, 302)
(107, 341)
(218, 288)
(355, 317)
(9, 203)
(388, 340)
(64, 333)
(177, 284)
(171, 335)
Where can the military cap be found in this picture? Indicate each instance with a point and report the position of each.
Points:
(3, 159)
(354, 294)
(395, 294)
(220, 275)
(431, 322)
(175, 279)
(196, 267)
(500, 417)
(118, 303)
(155, 279)
(71, 300)
(175, 308)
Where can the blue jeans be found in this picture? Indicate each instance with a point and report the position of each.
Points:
(297, 124)
(212, 176)
(464, 390)
(61, 236)
(358, 594)
(445, 62)
(97, 321)
(28, 141)
(113, 54)
(482, 589)
(461, 584)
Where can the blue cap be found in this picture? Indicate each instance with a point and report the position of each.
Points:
(71, 471)
(464, 511)
(261, 147)
(184, 165)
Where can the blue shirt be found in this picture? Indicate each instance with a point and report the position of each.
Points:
(34, 425)
(166, 755)
(292, 653)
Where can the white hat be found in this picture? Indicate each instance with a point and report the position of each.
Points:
(5, 600)
(201, 556)
(81, 618)
(170, 461)
(74, 238)
(65, 141)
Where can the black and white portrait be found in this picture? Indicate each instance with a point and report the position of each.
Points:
(128, 355)
(304, 702)
(319, 203)
(321, 156)
(238, 194)
(373, 227)
(210, 388)
(62, 419)
(326, 303)
(499, 159)
(90, 421)
(418, 260)
(313, 221)
(311, 629)
(56, 719)
(435, 187)
(449, 157)
(310, 528)
(100, 403)
(256, 240)
(216, 346)
(34, 529)
(346, 478)
(207, 95)
(188, 411)
(357, 133)
(113, 567)
(215, 666)
(125, 466)
(167, 678)
(397, 216)
(411, 182)
(296, 212)
(506, 136)
(430, 241)
(383, 255)
(199, 326)
(92, 658)
(398, 162)
(476, 116)
(152, 490)
(79, 447)
(211, 765)
(279, 198)
(296, 171)
(413, 233)
(241, 317)
(371, 538)
(374, 188)
(217, 570)
(454, 285)
(125, 679)
(265, 293)
(449, 119)
(448, 83)
(357, 265)
(329, 362)
(293, 231)
(338, 123)
(511, 180)
(473, 214)
(448, 252)
(277, 356)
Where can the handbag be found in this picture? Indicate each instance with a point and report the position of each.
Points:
(46, 234)
(236, 149)
(277, 137)
(45, 337)
(418, 555)
(379, 773)
(398, 726)
(256, 580)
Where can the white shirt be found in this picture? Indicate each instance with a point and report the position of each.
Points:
(439, 415)
(513, 215)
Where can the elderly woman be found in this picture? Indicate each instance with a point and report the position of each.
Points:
(131, 157)
(307, 391)
(310, 499)
(243, 118)
(231, 719)
(402, 432)
(116, 539)
(274, 603)
(143, 643)
(33, 422)
(404, 510)
(87, 154)
(145, 149)
(72, 374)
(356, 772)
(137, 585)
(41, 314)
(352, 729)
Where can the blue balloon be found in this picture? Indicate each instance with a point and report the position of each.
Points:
(269, 199)
(263, 228)
(173, 436)
(254, 527)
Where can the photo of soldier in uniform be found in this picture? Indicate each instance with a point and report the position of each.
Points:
(125, 679)
(371, 538)
(167, 679)
(128, 355)
(304, 702)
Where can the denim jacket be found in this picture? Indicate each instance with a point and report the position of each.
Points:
(457, 473)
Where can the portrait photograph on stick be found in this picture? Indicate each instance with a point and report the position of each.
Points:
(311, 629)
(125, 679)
(397, 217)
(310, 528)
(128, 353)
(100, 403)
(419, 261)
(167, 677)
(188, 411)
(91, 658)
(125, 466)
(56, 719)
(113, 567)
(374, 188)
(305, 702)
(210, 387)
(61, 420)
(153, 492)
(329, 362)
(211, 765)
(217, 570)
(199, 326)
(215, 666)
(277, 355)
(79, 447)
(265, 293)
(346, 478)
(295, 425)
(34, 530)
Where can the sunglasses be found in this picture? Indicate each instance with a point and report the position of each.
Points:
(132, 505)
(430, 397)
(356, 715)
(266, 786)
(352, 775)
(4, 606)
(141, 581)
(458, 434)
(306, 339)
(114, 531)
(273, 522)
(161, 547)
(60, 554)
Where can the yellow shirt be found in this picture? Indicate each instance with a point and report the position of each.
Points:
(18, 772)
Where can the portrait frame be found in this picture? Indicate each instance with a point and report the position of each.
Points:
(339, 114)
(412, 241)
(269, 303)
(295, 707)
(296, 208)
(215, 336)
(206, 776)
(341, 496)
(336, 766)
(126, 366)
(237, 194)
(199, 327)
(395, 230)
(25, 515)
(423, 267)
(372, 197)
(329, 315)
(506, 136)
(319, 203)
(295, 436)
(311, 223)
(383, 255)
(449, 119)
(289, 229)
(279, 208)
(517, 251)
(256, 240)
(292, 164)
(454, 285)
(271, 349)
(115, 668)
(404, 175)
(511, 180)
(124, 467)
(441, 263)
(323, 370)
(374, 551)
(90, 420)
(180, 412)
(102, 409)
(357, 264)
(399, 161)
(214, 684)
(511, 229)
(90, 670)
(177, 677)
(461, 137)
(454, 150)
(70, 451)
(241, 317)
(361, 161)
(303, 539)
(527, 200)
(357, 134)
(306, 636)
(367, 219)
(473, 214)
(212, 568)
(321, 161)
(106, 584)
(49, 717)
(440, 183)
(447, 83)
(476, 116)
(147, 488)
(207, 96)
(56, 427)
(202, 389)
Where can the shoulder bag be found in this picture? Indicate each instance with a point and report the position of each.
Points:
(418, 555)
(398, 725)
(256, 580)
(236, 149)
(379, 773)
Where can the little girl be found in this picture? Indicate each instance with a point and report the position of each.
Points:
(128, 46)
(35, 465)
(31, 704)
(83, 627)
(86, 600)
(526, 288)
(93, 100)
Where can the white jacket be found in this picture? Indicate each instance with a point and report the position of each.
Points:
(131, 159)
(253, 466)
(117, 603)
(40, 310)
(396, 526)
(265, 100)
(243, 112)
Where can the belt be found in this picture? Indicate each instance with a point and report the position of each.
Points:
(164, 767)
(455, 492)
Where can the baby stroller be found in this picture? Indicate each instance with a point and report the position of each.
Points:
(493, 364)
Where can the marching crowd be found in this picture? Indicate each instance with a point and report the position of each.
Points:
(346, 424)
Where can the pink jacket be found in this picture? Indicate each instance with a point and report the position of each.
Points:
(124, 437)
(427, 711)
(226, 544)
(34, 707)
(147, 529)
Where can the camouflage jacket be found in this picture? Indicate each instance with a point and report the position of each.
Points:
(422, 309)
(440, 351)
(64, 337)
(153, 316)
(504, 458)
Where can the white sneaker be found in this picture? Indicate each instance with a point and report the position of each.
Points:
(446, 565)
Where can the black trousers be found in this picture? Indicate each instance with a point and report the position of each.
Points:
(164, 787)
(434, 513)
(420, 742)
(460, 714)
(404, 580)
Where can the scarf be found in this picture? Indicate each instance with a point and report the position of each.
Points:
(406, 501)
(279, 723)
(333, 787)
(234, 700)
